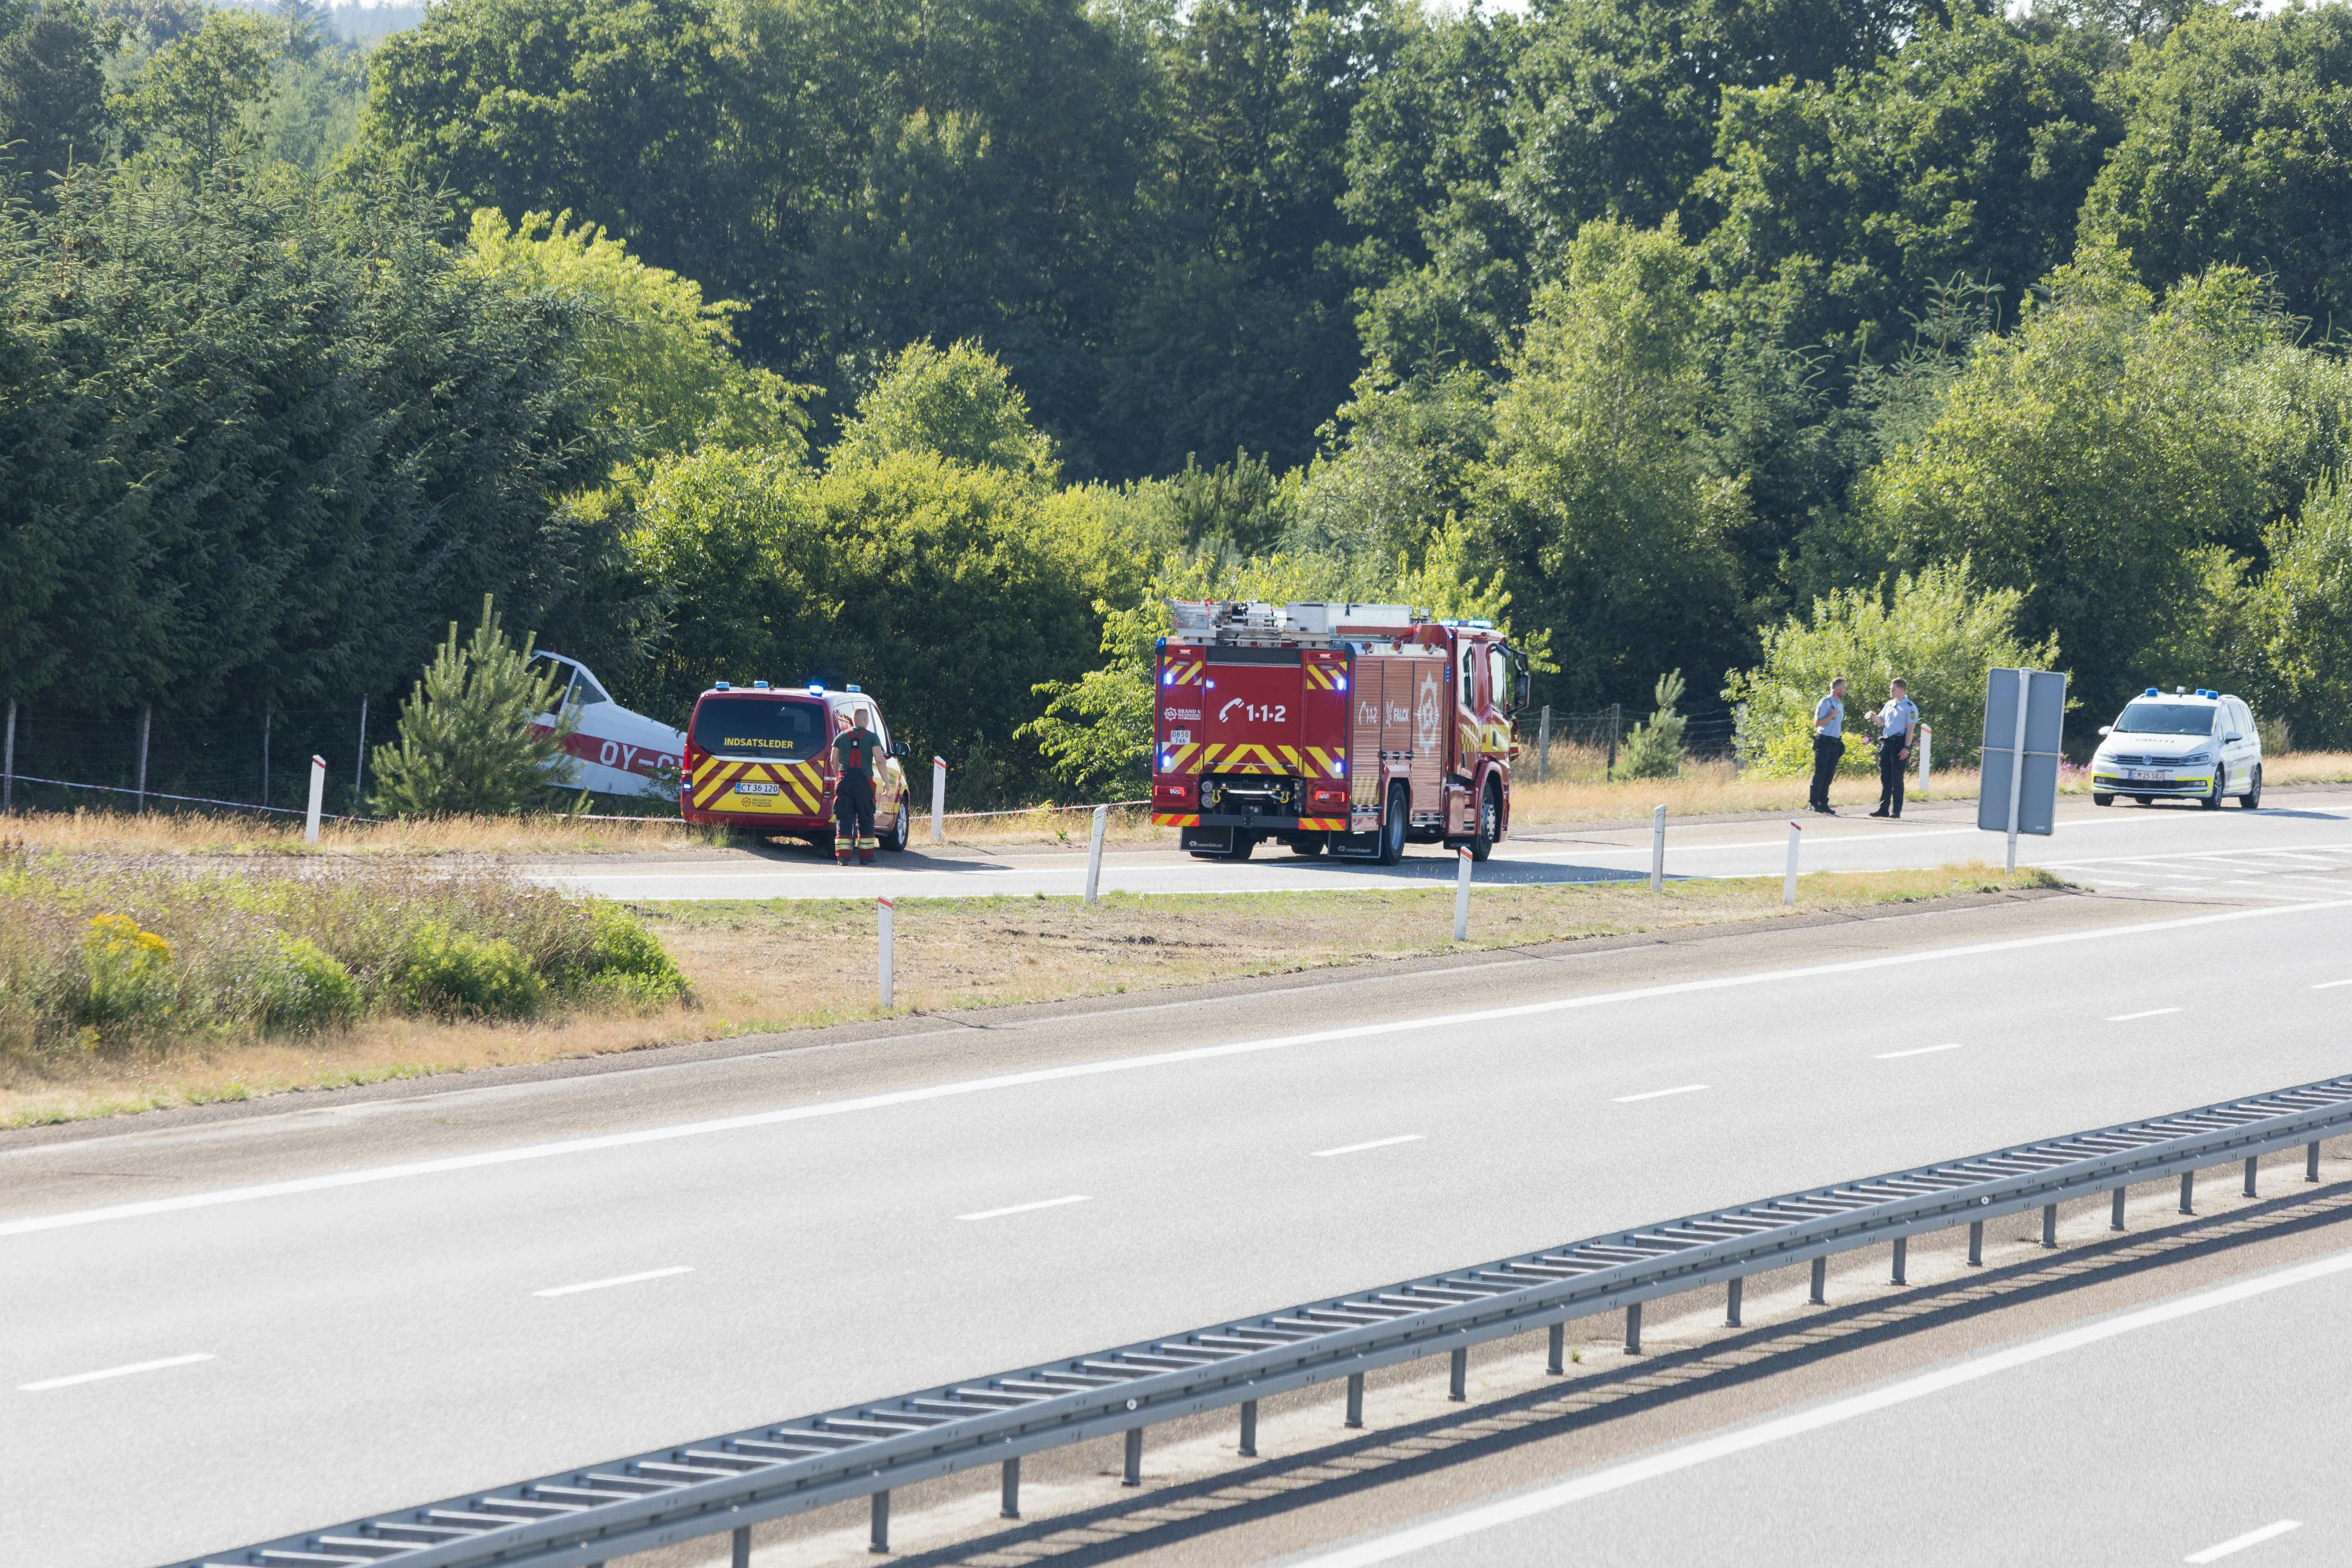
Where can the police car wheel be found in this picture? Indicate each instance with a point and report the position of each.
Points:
(2212, 799)
(2098, 799)
(2253, 799)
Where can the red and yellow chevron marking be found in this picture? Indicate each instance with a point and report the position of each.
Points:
(1333, 762)
(1325, 676)
(1178, 759)
(1176, 819)
(1246, 758)
(1185, 674)
(800, 787)
(1326, 823)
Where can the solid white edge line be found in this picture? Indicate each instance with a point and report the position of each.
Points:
(2331, 984)
(104, 1372)
(1918, 1051)
(1545, 1499)
(1440, 1025)
(2237, 1544)
(616, 1280)
(2151, 1013)
(1375, 1143)
(1027, 1209)
(1660, 1093)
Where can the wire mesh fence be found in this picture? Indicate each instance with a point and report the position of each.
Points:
(1590, 748)
(154, 758)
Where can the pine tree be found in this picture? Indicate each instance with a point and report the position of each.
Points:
(465, 743)
(1654, 750)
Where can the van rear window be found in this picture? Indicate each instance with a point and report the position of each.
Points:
(761, 727)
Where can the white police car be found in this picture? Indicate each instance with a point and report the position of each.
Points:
(2199, 744)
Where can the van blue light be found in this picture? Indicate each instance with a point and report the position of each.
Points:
(759, 685)
(721, 686)
(859, 690)
(817, 687)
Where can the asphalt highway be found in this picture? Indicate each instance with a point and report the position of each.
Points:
(210, 1367)
(2192, 1430)
(2278, 851)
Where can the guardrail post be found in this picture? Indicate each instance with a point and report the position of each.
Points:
(1633, 1329)
(1976, 1244)
(2115, 1219)
(939, 800)
(1557, 1364)
(1902, 1256)
(2311, 1162)
(1249, 1429)
(1731, 1304)
(2188, 1192)
(2251, 1163)
(879, 1539)
(1821, 1281)
(2049, 1224)
(1355, 1399)
(1094, 853)
(741, 1554)
(1461, 898)
(1134, 1473)
(1009, 1504)
(882, 913)
(1658, 850)
(1789, 883)
(1457, 1385)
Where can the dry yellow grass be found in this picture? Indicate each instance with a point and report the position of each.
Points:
(1702, 789)
(783, 965)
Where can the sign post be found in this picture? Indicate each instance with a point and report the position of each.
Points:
(2025, 719)
(939, 800)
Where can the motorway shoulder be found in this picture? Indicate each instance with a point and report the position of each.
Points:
(47, 1170)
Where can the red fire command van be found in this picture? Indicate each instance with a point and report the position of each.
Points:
(1347, 727)
(760, 761)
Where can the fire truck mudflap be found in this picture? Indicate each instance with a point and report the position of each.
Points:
(1338, 726)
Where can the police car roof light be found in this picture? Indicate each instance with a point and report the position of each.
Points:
(2153, 692)
(857, 689)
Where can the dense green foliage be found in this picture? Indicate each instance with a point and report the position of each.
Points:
(928, 342)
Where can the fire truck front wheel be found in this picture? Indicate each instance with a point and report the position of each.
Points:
(1490, 823)
(1393, 825)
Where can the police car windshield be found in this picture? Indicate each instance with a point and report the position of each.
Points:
(2166, 719)
(761, 727)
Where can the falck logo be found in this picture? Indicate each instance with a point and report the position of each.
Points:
(1175, 713)
(1424, 728)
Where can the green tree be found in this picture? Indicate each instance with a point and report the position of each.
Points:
(199, 100)
(52, 90)
(1591, 496)
(2308, 594)
(2238, 149)
(958, 404)
(466, 743)
(1654, 749)
(660, 360)
(1939, 630)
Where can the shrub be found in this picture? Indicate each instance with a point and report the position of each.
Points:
(622, 962)
(130, 981)
(451, 971)
(304, 989)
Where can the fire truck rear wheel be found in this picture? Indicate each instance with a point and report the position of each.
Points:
(1393, 825)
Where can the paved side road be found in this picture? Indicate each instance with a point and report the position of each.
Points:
(2197, 1430)
(2300, 847)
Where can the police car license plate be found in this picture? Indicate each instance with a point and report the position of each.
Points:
(2151, 773)
(755, 789)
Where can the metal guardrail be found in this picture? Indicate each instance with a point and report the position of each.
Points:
(727, 1483)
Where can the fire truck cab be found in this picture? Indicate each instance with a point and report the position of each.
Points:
(1340, 727)
(760, 760)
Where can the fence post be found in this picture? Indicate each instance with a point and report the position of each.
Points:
(1461, 898)
(1616, 711)
(265, 751)
(1789, 883)
(1927, 750)
(939, 800)
(1658, 850)
(1094, 853)
(8, 764)
(146, 723)
(359, 774)
(882, 913)
(317, 798)
(1543, 744)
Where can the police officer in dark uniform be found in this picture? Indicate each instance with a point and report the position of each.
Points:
(855, 749)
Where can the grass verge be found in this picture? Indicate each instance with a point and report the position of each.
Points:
(757, 966)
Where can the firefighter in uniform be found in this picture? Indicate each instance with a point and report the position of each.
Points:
(855, 750)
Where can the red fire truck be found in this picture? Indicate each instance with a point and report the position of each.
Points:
(1352, 728)
(760, 760)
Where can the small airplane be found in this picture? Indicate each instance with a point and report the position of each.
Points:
(613, 750)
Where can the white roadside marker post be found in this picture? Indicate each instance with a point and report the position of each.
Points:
(1094, 853)
(1461, 898)
(1789, 883)
(1927, 751)
(939, 800)
(882, 911)
(318, 794)
(1658, 850)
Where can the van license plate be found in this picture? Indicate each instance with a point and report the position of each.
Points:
(755, 789)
